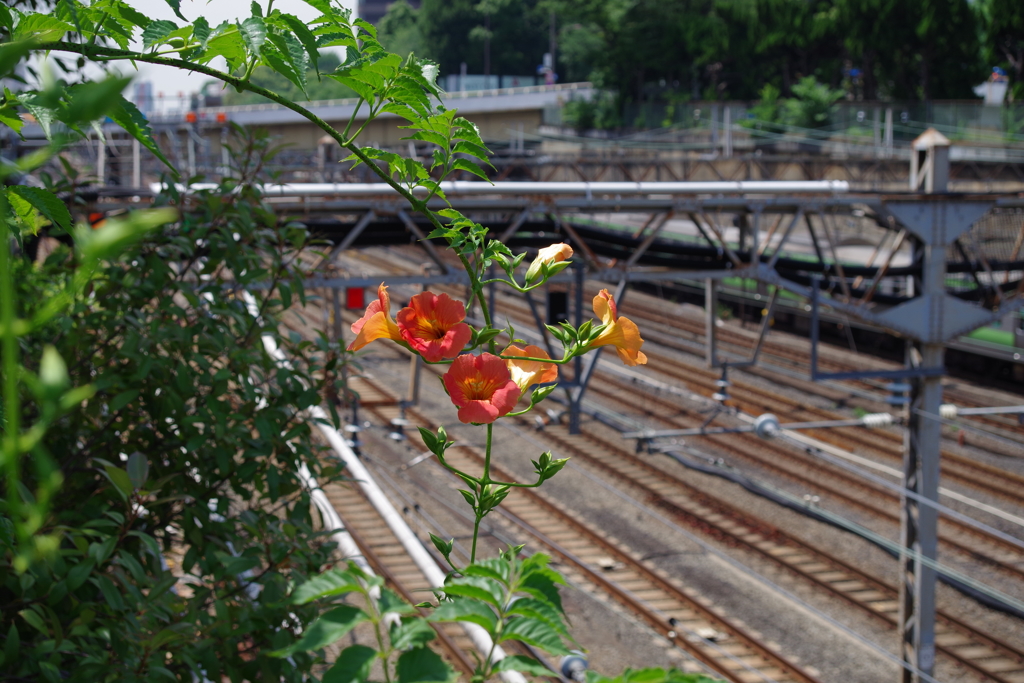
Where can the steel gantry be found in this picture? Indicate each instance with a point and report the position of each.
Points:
(927, 267)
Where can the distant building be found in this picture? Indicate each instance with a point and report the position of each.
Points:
(373, 10)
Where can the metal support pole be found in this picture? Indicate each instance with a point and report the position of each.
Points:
(136, 163)
(919, 532)
(727, 128)
(710, 318)
(191, 147)
(101, 162)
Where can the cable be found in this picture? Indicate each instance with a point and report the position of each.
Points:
(736, 564)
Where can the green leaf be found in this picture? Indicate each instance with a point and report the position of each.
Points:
(352, 665)
(128, 116)
(390, 601)
(237, 564)
(305, 36)
(229, 45)
(93, 100)
(429, 136)
(120, 233)
(254, 33)
(480, 569)
(525, 665)
(12, 54)
(123, 399)
(155, 33)
(540, 609)
(461, 609)
(328, 628)
(53, 373)
(477, 588)
(423, 665)
(332, 582)
(533, 632)
(469, 148)
(175, 5)
(286, 56)
(35, 621)
(411, 632)
(42, 27)
(469, 166)
(45, 202)
(138, 469)
(120, 479)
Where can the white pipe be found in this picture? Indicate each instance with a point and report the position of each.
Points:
(459, 187)
(405, 535)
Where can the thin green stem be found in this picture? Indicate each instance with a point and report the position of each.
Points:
(476, 534)
(11, 407)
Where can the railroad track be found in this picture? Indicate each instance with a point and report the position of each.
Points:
(956, 468)
(389, 559)
(673, 610)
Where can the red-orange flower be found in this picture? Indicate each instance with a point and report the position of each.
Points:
(526, 373)
(376, 322)
(548, 256)
(481, 387)
(432, 325)
(622, 333)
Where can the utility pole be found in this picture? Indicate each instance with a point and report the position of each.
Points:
(937, 318)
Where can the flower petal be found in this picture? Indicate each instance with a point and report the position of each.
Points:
(526, 373)
(604, 307)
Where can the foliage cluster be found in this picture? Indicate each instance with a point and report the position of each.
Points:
(165, 529)
(724, 49)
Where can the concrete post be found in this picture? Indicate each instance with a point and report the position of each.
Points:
(727, 129)
(101, 162)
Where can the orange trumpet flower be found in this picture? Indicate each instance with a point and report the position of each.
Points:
(622, 333)
(376, 322)
(432, 325)
(526, 373)
(481, 387)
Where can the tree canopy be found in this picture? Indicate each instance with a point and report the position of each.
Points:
(718, 49)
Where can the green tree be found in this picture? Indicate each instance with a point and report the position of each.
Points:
(1003, 22)
(399, 29)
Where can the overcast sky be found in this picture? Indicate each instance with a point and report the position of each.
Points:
(171, 81)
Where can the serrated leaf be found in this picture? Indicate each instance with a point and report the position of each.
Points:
(390, 601)
(254, 33)
(91, 101)
(477, 588)
(45, 202)
(41, 27)
(464, 147)
(471, 611)
(429, 136)
(133, 122)
(469, 166)
(331, 626)
(305, 37)
(285, 55)
(525, 665)
(201, 31)
(411, 632)
(352, 665)
(155, 33)
(423, 665)
(539, 609)
(175, 5)
(228, 45)
(332, 582)
(533, 632)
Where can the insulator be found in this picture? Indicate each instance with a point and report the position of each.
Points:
(766, 426)
(875, 420)
(947, 411)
